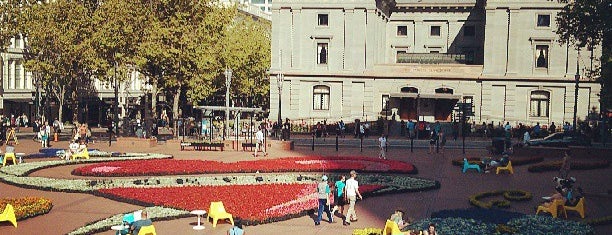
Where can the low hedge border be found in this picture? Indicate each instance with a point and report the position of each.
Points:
(574, 165)
(515, 161)
(599, 221)
(27, 207)
(510, 195)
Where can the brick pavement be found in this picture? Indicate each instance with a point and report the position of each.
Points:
(72, 210)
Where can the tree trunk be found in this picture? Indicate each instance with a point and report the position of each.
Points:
(175, 103)
(75, 105)
(154, 93)
(60, 110)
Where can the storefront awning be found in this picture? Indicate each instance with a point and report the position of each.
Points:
(425, 96)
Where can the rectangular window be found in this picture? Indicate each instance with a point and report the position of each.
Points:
(385, 102)
(320, 98)
(539, 104)
(400, 57)
(469, 31)
(434, 31)
(402, 30)
(541, 56)
(323, 19)
(17, 41)
(322, 51)
(18, 83)
(543, 21)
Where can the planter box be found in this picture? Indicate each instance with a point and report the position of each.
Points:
(133, 143)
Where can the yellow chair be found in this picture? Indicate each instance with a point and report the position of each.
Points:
(391, 228)
(553, 208)
(217, 211)
(7, 156)
(147, 230)
(84, 155)
(507, 168)
(578, 208)
(9, 215)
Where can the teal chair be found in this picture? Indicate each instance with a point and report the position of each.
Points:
(467, 166)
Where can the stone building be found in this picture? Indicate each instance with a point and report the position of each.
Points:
(415, 59)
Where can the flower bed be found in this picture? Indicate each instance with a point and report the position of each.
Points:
(27, 207)
(255, 204)
(574, 165)
(515, 161)
(494, 216)
(292, 164)
(512, 195)
(529, 224)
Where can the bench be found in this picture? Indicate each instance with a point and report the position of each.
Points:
(248, 145)
(201, 146)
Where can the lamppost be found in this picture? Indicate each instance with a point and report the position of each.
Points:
(228, 82)
(280, 78)
(577, 80)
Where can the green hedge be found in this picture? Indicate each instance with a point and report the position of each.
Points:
(574, 165)
(510, 195)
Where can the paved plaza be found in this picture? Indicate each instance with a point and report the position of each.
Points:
(73, 210)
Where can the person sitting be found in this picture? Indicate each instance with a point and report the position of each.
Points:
(492, 164)
(431, 230)
(398, 218)
(144, 221)
(575, 197)
(82, 146)
(72, 149)
(237, 229)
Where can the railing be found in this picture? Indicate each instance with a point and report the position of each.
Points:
(433, 58)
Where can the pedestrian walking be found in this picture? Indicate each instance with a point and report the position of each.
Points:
(382, 143)
(442, 138)
(323, 193)
(352, 193)
(259, 136)
(565, 165)
(339, 201)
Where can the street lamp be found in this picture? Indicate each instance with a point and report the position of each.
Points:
(228, 82)
(577, 80)
(280, 78)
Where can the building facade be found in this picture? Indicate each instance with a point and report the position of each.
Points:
(416, 59)
(18, 92)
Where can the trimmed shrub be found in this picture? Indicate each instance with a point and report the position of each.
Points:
(512, 195)
(494, 216)
(575, 165)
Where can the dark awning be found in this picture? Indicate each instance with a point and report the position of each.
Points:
(425, 96)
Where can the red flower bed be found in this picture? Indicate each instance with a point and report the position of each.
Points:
(253, 203)
(291, 164)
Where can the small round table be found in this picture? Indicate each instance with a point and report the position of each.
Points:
(199, 213)
(20, 156)
(120, 227)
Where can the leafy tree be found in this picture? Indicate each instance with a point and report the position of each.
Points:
(8, 22)
(57, 51)
(180, 45)
(246, 50)
(588, 23)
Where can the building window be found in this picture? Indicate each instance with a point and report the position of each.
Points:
(18, 83)
(322, 51)
(409, 89)
(539, 101)
(469, 31)
(402, 30)
(444, 90)
(541, 56)
(320, 98)
(434, 31)
(385, 102)
(400, 56)
(17, 41)
(323, 19)
(543, 21)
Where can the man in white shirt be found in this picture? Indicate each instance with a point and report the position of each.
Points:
(382, 144)
(259, 136)
(352, 192)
